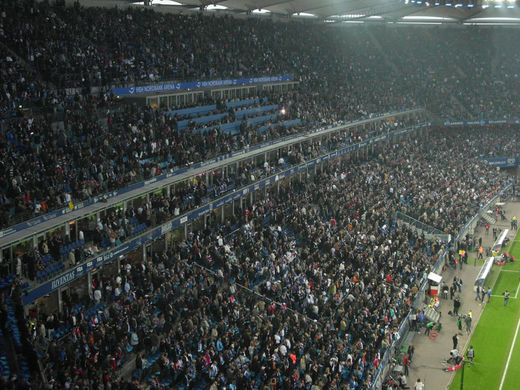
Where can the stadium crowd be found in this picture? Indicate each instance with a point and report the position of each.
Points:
(304, 293)
(116, 225)
(46, 161)
(289, 297)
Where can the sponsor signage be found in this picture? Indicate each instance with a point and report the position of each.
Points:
(483, 122)
(503, 162)
(167, 87)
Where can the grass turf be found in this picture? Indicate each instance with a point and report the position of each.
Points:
(493, 337)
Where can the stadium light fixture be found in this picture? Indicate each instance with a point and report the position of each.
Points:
(159, 2)
(303, 15)
(486, 24)
(464, 3)
(259, 11)
(427, 18)
(347, 16)
(422, 23)
(494, 19)
(215, 7)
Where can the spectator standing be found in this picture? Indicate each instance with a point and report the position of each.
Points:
(406, 364)
(455, 340)
(413, 321)
(421, 318)
(403, 382)
(456, 305)
(483, 294)
(429, 327)
(470, 354)
(419, 385)
(468, 320)
(411, 351)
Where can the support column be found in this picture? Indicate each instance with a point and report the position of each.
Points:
(60, 301)
(89, 281)
(11, 260)
(67, 230)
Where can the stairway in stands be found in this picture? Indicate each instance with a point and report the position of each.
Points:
(16, 358)
(15, 324)
(488, 218)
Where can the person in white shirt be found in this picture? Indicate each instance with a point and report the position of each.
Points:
(403, 382)
(419, 385)
(97, 296)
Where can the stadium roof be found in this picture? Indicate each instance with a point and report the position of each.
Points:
(493, 12)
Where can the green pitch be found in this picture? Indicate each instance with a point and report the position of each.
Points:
(493, 337)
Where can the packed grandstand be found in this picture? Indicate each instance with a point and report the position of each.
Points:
(303, 287)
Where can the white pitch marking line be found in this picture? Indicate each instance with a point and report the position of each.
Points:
(501, 296)
(509, 357)
(510, 270)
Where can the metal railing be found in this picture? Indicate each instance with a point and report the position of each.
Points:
(428, 230)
